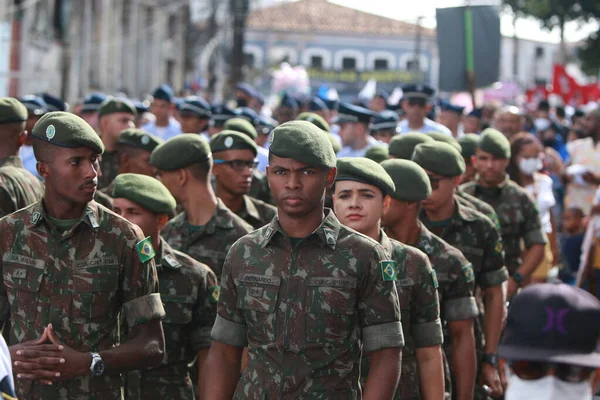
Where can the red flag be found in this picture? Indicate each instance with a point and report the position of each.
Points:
(565, 86)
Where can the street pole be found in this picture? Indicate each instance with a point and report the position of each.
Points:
(239, 8)
(469, 56)
(418, 38)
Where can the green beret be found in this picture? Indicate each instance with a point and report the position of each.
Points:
(377, 153)
(230, 140)
(12, 110)
(439, 158)
(179, 152)
(116, 105)
(442, 137)
(468, 143)
(402, 146)
(67, 130)
(494, 142)
(364, 170)
(241, 125)
(315, 119)
(412, 183)
(304, 142)
(337, 147)
(144, 190)
(139, 139)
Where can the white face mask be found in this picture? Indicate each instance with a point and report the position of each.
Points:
(547, 388)
(529, 166)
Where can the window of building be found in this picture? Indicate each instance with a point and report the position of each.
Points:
(412, 65)
(539, 52)
(316, 62)
(349, 63)
(250, 60)
(381, 64)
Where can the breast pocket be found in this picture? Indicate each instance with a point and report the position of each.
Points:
(330, 304)
(95, 290)
(258, 297)
(22, 283)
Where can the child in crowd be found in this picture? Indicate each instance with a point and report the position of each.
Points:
(571, 240)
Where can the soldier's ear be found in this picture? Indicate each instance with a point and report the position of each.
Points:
(387, 201)
(161, 221)
(331, 174)
(42, 169)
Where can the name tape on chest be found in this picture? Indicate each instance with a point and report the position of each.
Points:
(259, 279)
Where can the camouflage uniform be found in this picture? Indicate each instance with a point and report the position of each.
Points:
(518, 214)
(104, 199)
(18, 187)
(259, 188)
(481, 206)
(109, 165)
(304, 310)
(417, 288)
(189, 291)
(211, 244)
(80, 281)
(256, 212)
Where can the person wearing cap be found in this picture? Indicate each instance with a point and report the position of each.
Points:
(189, 290)
(36, 107)
(321, 123)
(282, 297)
(318, 106)
(550, 343)
(244, 93)
(454, 273)
(472, 122)
(77, 277)
(220, 113)
(89, 109)
(163, 106)
(384, 126)
(468, 144)
(18, 187)
(361, 196)
(194, 115)
(402, 146)
(477, 238)
(287, 109)
(206, 228)
(248, 114)
(379, 101)
(143, 113)
(234, 161)
(258, 102)
(451, 117)
(517, 212)
(508, 120)
(354, 130)
(114, 116)
(264, 127)
(377, 153)
(416, 104)
(54, 103)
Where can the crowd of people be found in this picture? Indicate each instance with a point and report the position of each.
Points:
(177, 249)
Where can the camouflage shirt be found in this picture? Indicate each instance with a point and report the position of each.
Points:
(211, 244)
(189, 291)
(109, 165)
(256, 212)
(259, 188)
(304, 310)
(19, 188)
(479, 205)
(80, 281)
(518, 214)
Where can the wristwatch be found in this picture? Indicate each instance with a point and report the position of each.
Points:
(97, 365)
(519, 278)
(491, 359)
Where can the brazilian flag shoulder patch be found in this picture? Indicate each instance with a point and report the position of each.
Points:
(145, 250)
(499, 247)
(467, 271)
(214, 294)
(434, 280)
(388, 270)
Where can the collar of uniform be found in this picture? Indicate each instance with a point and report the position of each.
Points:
(89, 216)
(496, 190)
(12, 161)
(463, 212)
(385, 242)
(166, 256)
(251, 208)
(220, 218)
(328, 231)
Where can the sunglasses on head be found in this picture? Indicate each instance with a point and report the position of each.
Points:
(533, 370)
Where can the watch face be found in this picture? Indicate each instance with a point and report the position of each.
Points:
(98, 367)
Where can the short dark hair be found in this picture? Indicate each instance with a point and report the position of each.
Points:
(578, 212)
(42, 150)
(201, 170)
(129, 150)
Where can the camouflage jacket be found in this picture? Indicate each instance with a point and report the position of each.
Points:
(80, 281)
(211, 244)
(256, 212)
(417, 288)
(473, 202)
(304, 310)
(19, 188)
(189, 291)
(259, 188)
(518, 214)
(109, 166)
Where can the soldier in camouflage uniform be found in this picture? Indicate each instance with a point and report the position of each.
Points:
(477, 238)
(189, 291)
(235, 160)
(114, 116)
(453, 271)
(206, 229)
(18, 187)
(360, 197)
(517, 212)
(71, 268)
(304, 292)
(468, 144)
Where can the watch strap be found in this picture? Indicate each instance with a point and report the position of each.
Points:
(491, 359)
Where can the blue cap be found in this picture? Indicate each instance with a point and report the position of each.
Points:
(350, 113)
(195, 105)
(92, 102)
(34, 104)
(141, 106)
(54, 103)
(385, 119)
(265, 125)
(288, 101)
(331, 104)
(476, 112)
(246, 88)
(383, 94)
(259, 96)
(420, 90)
(447, 106)
(248, 114)
(316, 104)
(221, 113)
(163, 92)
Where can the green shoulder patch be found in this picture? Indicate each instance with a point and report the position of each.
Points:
(434, 280)
(215, 293)
(495, 221)
(499, 247)
(145, 250)
(467, 271)
(388, 270)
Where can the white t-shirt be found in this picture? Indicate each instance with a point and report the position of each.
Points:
(7, 385)
(541, 190)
